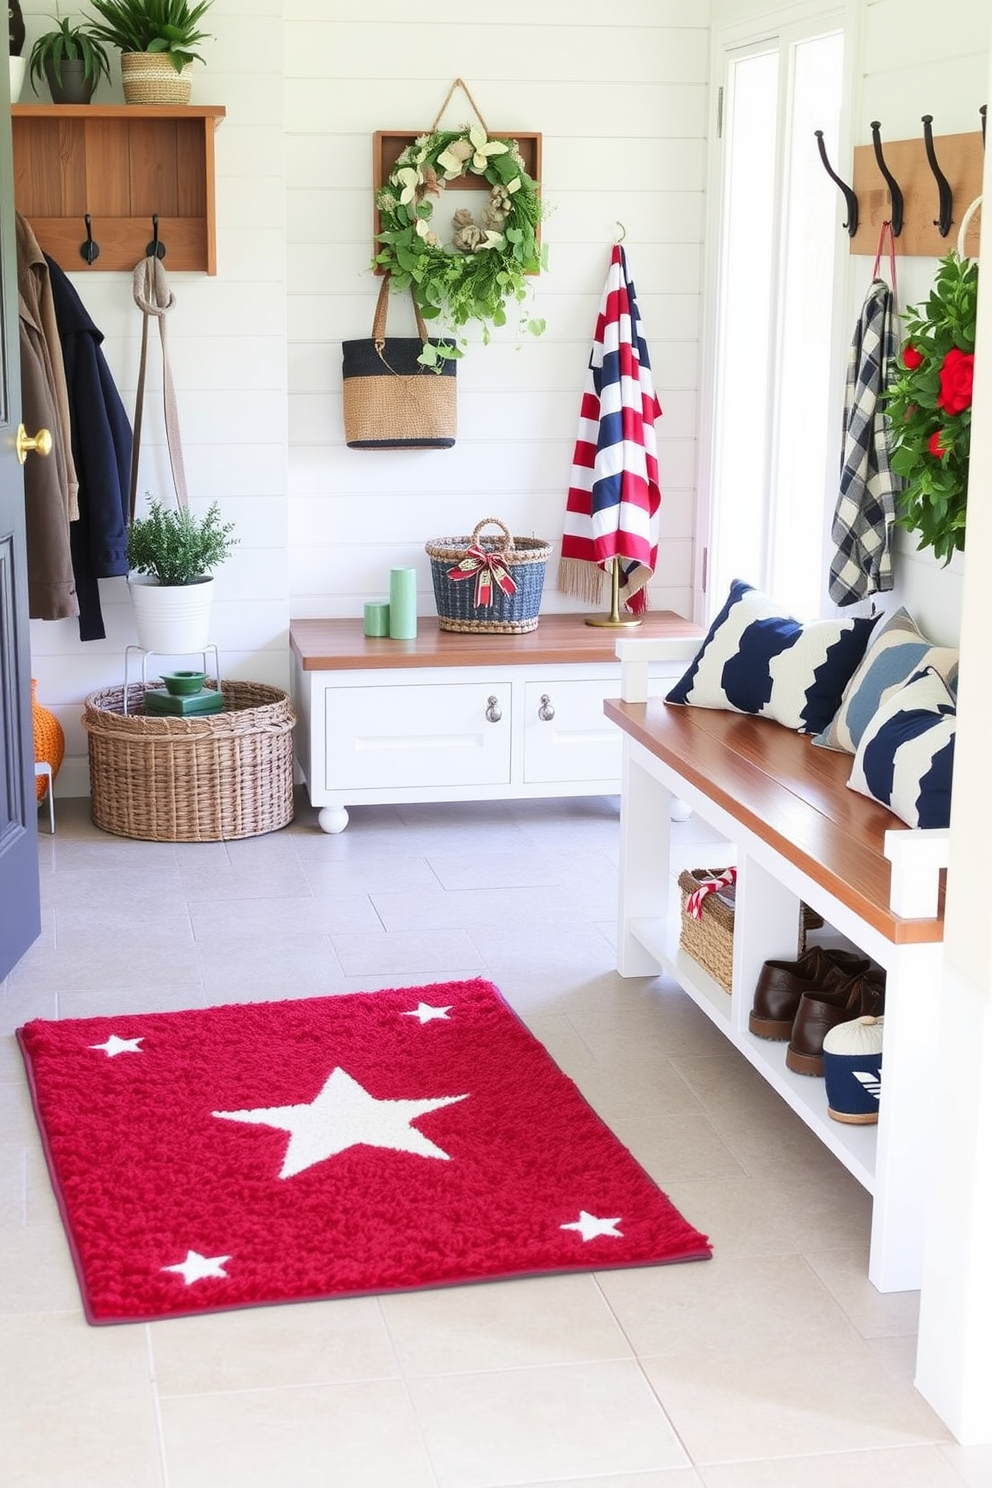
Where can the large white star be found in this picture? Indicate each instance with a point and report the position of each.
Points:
(115, 1045)
(345, 1115)
(427, 1013)
(589, 1226)
(196, 1266)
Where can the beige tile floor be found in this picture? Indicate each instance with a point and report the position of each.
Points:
(775, 1365)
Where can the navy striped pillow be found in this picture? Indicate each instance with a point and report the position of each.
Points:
(906, 755)
(757, 660)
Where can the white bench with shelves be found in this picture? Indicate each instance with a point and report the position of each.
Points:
(796, 834)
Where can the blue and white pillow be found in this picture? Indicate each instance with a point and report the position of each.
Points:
(757, 660)
(897, 652)
(906, 755)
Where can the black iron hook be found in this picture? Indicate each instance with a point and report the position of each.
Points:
(852, 201)
(90, 250)
(156, 248)
(945, 195)
(895, 191)
(982, 112)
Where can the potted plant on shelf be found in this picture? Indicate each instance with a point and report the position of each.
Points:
(157, 41)
(71, 59)
(170, 554)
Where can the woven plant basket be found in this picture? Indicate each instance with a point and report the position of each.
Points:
(710, 940)
(525, 559)
(206, 778)
(150, 78)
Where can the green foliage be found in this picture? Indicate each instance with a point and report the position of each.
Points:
(68, 43)
(176, 546)
(455, 285)
(170, 26)
(929, 404)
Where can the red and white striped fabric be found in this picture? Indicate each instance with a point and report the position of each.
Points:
(614, 497)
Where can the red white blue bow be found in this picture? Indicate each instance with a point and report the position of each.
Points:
(694, 903)
(487, 569)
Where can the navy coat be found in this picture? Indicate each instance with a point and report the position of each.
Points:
(101, 452)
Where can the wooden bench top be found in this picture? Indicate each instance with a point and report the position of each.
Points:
(790, 793)
(340, 645)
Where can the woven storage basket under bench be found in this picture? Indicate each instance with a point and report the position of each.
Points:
(203, 778)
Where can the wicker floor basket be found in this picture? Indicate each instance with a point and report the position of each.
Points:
(205, 778)
(525, 559)
(710, 940)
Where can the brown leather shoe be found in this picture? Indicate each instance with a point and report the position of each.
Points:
(861, 996)
(781, 985)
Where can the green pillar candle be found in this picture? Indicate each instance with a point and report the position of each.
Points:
(403, 604)
(377, 617)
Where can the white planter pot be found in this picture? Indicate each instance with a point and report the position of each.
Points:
(17, 66)
(171, 620)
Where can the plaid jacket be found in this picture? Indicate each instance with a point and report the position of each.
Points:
(865, 512)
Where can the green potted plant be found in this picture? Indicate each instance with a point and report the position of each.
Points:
(170, 554)
(71, 59)
(157, 40)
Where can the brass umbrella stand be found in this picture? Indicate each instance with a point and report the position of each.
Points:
(614, 619)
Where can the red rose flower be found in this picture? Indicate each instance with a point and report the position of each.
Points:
(911, 358)
(934, 445)
(956, 376)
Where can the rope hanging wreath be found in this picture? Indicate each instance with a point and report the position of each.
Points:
(483, 266)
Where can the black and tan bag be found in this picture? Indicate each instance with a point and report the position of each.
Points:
(391, 401)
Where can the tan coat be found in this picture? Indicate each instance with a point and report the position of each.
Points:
(50, 489)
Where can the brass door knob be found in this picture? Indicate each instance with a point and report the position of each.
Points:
(41, 443)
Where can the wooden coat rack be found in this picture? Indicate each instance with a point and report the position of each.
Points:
(961, 159)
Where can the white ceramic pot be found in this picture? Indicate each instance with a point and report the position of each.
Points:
(17, 66)
(171, 620)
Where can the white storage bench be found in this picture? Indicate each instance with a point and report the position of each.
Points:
(797, 833)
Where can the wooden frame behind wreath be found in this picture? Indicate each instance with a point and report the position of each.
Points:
(485, 264)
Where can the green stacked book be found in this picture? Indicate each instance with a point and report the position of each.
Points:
(159, 700)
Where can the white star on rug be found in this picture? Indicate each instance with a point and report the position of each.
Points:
(589, 1226)
(427, 1014)
(115, 1045)
(345, 1115)
(196, 1266)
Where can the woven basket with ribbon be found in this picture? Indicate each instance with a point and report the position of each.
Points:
(708, 898)
(488, 584)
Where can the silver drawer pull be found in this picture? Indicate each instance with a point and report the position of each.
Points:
(493, 710)
(546, 711)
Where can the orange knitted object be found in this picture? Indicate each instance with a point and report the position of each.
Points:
(49, 739)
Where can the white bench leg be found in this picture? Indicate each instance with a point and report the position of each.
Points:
(905, 1120)
(645, 852)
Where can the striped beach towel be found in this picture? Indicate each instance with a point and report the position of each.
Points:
(611, 512)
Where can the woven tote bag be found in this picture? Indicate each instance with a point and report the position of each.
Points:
(391, 401)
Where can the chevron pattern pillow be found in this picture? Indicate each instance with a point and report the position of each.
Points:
(906, 755)
(757, 660)
(897, 652)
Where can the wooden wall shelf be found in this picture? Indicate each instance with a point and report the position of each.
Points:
(123, 164)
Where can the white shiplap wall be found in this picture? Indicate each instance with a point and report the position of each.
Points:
(621, 103)
(619, 99)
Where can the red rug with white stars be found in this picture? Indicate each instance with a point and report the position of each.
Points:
(327, 1147)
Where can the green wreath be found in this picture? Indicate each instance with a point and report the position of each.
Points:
(929, 405)
(484, 266)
